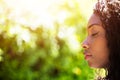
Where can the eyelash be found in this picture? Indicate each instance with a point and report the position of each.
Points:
(94, 34)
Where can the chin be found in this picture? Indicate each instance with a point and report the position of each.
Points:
(95, 65)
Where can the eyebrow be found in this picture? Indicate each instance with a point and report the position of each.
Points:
(92, 25)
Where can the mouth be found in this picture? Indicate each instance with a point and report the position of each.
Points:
(87, 57)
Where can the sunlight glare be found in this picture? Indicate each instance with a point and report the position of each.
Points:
(32, 12)
(68, 34)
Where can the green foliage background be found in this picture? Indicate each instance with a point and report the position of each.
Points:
(46, 55)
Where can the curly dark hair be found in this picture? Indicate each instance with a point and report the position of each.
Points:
(109, 13)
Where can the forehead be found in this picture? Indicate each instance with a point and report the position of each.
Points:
(94, 20)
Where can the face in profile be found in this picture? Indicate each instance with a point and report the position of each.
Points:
(95, 45)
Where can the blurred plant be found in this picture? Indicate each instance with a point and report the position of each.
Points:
(44, 53)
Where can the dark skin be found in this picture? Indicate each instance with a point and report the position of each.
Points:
(95, 45)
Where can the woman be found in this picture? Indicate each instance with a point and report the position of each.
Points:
(102, 45)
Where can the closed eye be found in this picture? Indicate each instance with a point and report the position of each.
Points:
(94, 34)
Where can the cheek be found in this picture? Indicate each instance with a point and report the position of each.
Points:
(100, 45)
(99, 51)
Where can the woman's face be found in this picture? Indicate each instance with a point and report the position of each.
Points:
(95, 44)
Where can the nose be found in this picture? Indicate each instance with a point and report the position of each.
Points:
(85, 44)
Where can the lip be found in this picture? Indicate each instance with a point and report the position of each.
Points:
(87, 57)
